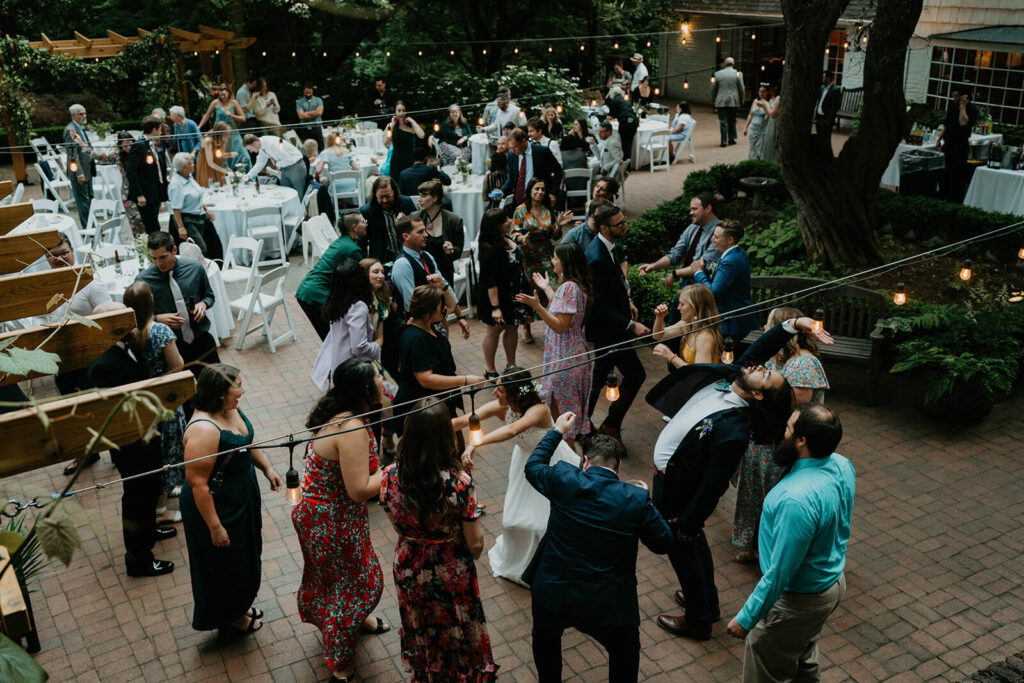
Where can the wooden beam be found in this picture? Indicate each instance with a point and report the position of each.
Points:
(47, 43)
(77, 345)
(142, 32)
(117, 37)
(227, 68)
(13, 610)
(82, 39)
(216, 32)
(206, 61)
(204, 45)
(240, 43)
(27, 295)
(97, 52)
(6, 188)
(186, 35)
(21, 250)
(26, 445)
(13, 215)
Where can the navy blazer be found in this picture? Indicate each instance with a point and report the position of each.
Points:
(698, 472)
(730, 284)
(410, 179)
(545, 166)
(375, 244)
(608, 319)
(585, 567)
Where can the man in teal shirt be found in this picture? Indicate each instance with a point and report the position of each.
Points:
(805, 527)
(312, 291)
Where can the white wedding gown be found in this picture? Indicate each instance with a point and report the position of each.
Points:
(525, 516)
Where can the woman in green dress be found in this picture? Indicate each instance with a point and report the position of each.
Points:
(220, 505)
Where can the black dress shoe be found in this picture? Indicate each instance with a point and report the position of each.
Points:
(154, 568)
(678, 626)
(165, 532)
(716, 613)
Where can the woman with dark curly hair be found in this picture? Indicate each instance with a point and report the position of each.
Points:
(524, 518)
(348, 311)
(341, 577)
(429, 500)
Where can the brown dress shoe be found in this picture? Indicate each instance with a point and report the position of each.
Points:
(716, 615)
(678, 626)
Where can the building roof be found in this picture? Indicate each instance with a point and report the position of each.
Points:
(856, 10)
(1006, 35)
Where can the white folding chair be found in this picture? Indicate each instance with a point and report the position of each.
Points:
(463, 282)
(657, 151)
(354, 194)
(14, 197)
(44, 206)
(266, 224)
(54, 183)
(688, 141)
(266, 296)
(191, 250)
(42, 147)
(106, 239)
(620, 175)
(106, 184)
(317, 236)
(580, 181)
(100, 210)
(233, 270)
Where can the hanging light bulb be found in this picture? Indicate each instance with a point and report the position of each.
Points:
(753, 36)
(476, 432)
(73, 166)
(900, 297)
(419, 53)
(516, 50)
(727, 354)
(712, 79)
(216, 52)
(616, 46)
(593, 103)
(293, 53)
(846, 45)
(480, 121)
(762, 67)
(558, 109)
(550, 49)
(684, 41)
(388, 53)
(685, 28)
(264, 53)
(217, 153)
(337, 140)
(437, 126)
(484, 51)
(325, 53)
(967, 270)
(657, 91)
(718, 38)
(648, 43)
(451, 52)
(150, 159)
(1016, 297)
(582, 48)
(819, 319)
(1020, 252)
(611, 387)
(686, 82)
(293, 494)
(357, 53)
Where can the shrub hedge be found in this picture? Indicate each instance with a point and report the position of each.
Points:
(648, 291)
(724, 179)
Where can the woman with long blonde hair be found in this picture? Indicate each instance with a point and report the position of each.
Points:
(699, 324)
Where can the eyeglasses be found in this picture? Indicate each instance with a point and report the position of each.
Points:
(618, 225)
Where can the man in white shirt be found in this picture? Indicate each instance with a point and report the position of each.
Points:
(505, 112)
(535, 130)
(639, 75)
(244, 97)
(285, 156)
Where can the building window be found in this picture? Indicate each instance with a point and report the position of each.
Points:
(837, 47)
(996, 78)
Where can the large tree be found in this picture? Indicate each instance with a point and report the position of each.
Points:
(835, 195)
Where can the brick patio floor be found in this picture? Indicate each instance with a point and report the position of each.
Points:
(933, 569)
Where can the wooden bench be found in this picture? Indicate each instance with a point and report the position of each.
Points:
(853, 315)
(849, 107)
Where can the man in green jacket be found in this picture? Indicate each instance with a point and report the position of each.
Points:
(312, 291)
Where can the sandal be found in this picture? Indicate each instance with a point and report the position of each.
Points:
(254, 613)
(253, 626)
(745, 557)
(491, 374)
(382, 627)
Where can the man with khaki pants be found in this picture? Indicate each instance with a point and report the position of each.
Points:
(805, 528)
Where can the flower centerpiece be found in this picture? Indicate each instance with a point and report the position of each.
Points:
(142, 249)
(235, 178)
(463, 168)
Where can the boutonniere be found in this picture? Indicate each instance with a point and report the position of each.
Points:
(703, 428)
(711, 267)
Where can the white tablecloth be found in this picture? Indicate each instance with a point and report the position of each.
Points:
(367, 168)
(467, 202)
(891, 177)
(480, 151)
(996, 189)
(643, 133)
(221, 321)
(49, 221)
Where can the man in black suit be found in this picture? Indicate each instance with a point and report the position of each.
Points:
(715, 410)
(382, 212)
(613, 319)
(528, 160)
(584, 572)
(420, 172)
(829, 99)
(146, 170)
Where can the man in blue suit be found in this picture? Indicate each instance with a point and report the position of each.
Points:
(584, 573)
(730, 280)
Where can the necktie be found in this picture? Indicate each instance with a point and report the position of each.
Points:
(85, 136)
(156, 160)
(521, 181)
(618, 255)
(693, 247)
(723, 385)
(179, 306)
(426, 267)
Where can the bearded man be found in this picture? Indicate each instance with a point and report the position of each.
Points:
(715, 411)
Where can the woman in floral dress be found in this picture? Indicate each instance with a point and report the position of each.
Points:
(341, 578)
(534, 227)
(430, 502)
(564, 345)
(757, 474)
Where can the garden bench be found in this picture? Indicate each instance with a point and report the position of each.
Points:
(853, 315)
(849, 107)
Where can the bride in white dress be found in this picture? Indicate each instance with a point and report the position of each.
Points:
(525, 516)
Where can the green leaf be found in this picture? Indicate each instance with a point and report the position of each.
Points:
(17, 665)
(58, 537)
(83, 320)
(7, 342)
(34, 360)
(11, 540)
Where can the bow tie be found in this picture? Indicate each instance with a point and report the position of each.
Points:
(723, 385)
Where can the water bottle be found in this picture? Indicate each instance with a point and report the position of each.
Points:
(117, 264)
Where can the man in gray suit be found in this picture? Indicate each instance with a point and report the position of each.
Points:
(80, 164)
(727, 91)
(611, 153)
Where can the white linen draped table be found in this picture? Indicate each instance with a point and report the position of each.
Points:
(891, 177)
(643, 134)
(367, 168)
(468, 203)
(221, 321)
(480, 152)
(996, 189)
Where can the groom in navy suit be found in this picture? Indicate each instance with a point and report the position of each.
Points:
(584, 572)
(730, 280)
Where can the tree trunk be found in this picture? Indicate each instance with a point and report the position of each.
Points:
(835, 195)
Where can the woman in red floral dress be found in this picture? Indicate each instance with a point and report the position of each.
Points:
(341, 578)
(429, 500)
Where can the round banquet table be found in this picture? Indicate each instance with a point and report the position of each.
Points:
(468, 203)
(643, 134)
(996, 189)
(50, 221)
(480, 152)
(221, 321)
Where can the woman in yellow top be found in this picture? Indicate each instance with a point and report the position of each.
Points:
(699, 323)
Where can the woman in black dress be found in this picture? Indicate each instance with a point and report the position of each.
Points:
(220, 505)
(425, 361)
(445, 233)
(402, 132)
(501, 278)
